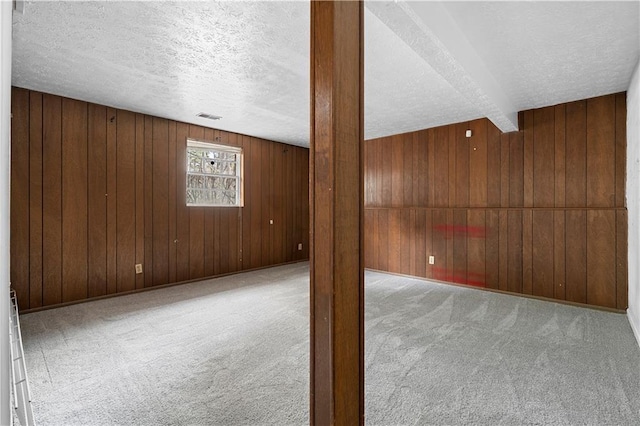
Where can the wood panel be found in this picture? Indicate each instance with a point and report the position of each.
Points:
(126, 201)
(559, 155)
(528, 134)
(336, 186)
(514, 252)
(478, 162)
(97, 202)
(543, 157)
(182, 211)
(576, 154)
(20, 239)
(505, 169)
(576, 256)
(462, 182)
(621, 148)
(148, 201)
(35, 199)
(172, 214)
(476, 248)
(503, 250)
(494, 166)
(421, 245)
(544, 181)
(441, 171)
(266, 224)
(601, 152)
(559, 253)
(112, 200)
(492, 264)
(460, 249)
(74, 200)
(245, 258)
(257, 216)
(516, 170)
(51, 199)
(104, 189)
(140, 198)
(601, 255)
(542, 262)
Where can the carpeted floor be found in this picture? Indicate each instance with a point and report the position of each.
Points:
(234, 351)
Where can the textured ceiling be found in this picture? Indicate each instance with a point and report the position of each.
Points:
(249, 61)
(245, 61)
(545, 53)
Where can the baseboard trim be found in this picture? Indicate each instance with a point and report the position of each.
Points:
(156, 287)
(508, 293)
(632, 322)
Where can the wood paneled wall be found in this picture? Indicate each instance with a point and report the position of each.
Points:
(540, 211)
(96, 190)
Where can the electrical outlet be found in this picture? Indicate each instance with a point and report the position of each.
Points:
(270, 221)
(138, 268)
(432, 260)
(299, 246)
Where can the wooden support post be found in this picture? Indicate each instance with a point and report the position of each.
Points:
(336, 197)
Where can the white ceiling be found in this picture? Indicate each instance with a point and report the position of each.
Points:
(426, 64)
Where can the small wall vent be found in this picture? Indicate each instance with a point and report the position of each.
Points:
(209, 116)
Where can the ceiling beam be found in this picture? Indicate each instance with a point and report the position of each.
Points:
(430, 31)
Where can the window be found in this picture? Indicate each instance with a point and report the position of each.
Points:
(214, 174)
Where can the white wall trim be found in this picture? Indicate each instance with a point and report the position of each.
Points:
(6, 11)
(633, 321)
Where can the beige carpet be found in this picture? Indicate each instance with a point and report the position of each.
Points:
(234, 351)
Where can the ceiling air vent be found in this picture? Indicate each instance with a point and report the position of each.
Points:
(209, 116)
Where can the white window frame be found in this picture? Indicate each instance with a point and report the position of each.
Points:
(239, 176)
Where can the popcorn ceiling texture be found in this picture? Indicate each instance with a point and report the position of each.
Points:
(249, 61)
(245, 61)
(546, 53)
(404, 93)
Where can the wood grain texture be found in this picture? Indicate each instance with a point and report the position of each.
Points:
(528, 158)
(527, 251)
(601, 255)
(514, 252)
(576, 154)
(126, 201)
(542, 262)
(148, 201)
(492, 249)
(74, 200)
(20, 239)
(112, 201)
(559, 155)
(105, 190)
(621, 148)
(494, 166)
(51, 200)
(172, 193)
(537, 178)
(543, 157)
(601, 151)
(576, 256)
(559, 253)
(97, 202)
(140, 199)
(336, 184)
(35, 199)
(182, 211)
(478, 164)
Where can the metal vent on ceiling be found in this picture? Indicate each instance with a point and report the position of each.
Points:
(209, 116)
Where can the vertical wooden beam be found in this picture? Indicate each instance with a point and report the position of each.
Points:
(337, 206)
